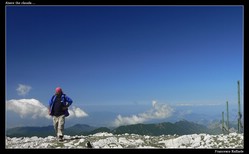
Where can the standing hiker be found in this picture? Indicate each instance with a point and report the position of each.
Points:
(58, 109)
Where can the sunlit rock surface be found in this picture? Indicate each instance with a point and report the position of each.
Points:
(107, 140)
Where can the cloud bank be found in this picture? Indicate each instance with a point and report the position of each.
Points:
(159, 111)
(35, 109)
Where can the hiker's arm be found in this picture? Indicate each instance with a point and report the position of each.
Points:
(49, 105)
(49, 110)
(69, 101)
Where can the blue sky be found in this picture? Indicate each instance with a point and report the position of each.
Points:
(126, 64)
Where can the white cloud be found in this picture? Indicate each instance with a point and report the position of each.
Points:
(77, 112)
(28, 108)
(23, 90)
(159, 111)
(35, 109)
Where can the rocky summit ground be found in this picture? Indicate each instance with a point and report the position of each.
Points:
(131, 141)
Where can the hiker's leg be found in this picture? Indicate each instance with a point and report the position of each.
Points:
(61, 125)
(55, 123)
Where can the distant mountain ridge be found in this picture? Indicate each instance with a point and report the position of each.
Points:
(182, 127)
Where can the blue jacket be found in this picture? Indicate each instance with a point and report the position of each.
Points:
(64, 99)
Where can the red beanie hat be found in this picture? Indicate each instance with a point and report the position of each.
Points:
(58, 90)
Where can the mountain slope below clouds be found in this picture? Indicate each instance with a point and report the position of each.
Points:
(178, 128)
(165, 128)
(30, 131)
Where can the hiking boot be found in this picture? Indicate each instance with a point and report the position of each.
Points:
(60, 138)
